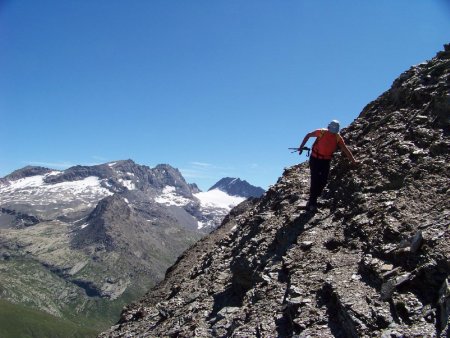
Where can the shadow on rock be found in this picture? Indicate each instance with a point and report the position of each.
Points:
(287, 235)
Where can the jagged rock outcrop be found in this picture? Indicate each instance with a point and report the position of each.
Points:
(374, 261)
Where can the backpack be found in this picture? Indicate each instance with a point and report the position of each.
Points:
(326, 152)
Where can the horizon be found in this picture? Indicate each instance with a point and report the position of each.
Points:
(129, 159)
(214, 89)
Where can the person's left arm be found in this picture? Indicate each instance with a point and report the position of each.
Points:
(347, 151)
(307, 137)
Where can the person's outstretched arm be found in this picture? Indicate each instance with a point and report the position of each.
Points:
(347, 152)
(311, 134)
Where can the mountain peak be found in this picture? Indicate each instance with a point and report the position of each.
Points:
(237, 187)
(27, 172)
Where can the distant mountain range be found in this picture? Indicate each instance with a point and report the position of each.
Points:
(99, 236)
(33, 194)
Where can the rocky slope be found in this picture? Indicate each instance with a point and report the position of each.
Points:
(372, 262)
(96, 236)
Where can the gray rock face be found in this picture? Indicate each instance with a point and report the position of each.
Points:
(372, 262)
(237, 187)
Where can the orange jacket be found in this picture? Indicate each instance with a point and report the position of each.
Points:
(325, 144)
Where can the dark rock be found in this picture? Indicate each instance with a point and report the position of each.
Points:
(444, 306)
(306, 245)
(416, 242)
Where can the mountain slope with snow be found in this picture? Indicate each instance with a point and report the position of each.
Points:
(104, 232)
(73, 193)
(214, 206)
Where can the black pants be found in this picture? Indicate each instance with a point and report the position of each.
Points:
(319, 176)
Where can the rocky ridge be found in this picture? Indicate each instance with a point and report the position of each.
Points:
(374, 261)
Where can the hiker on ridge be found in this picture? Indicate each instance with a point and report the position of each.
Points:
(327, 141)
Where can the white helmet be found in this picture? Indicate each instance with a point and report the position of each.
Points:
(333, 127)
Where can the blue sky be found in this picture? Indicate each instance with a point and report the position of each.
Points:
(214, 88)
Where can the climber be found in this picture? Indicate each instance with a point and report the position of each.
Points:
(327, 141)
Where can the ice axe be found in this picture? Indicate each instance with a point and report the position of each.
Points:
(294, 150)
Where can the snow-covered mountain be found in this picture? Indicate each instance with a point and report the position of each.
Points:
(107, 231)
(237, 187)
(32, 194)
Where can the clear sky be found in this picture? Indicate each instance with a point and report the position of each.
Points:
(215, 88)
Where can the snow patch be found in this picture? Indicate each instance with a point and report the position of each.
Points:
(33, 190)
(112, 164)
(127, 184)
(169, 189)
(216, 198)
(170, 197)
(84, 225)
(208, 224)
(23, 183)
